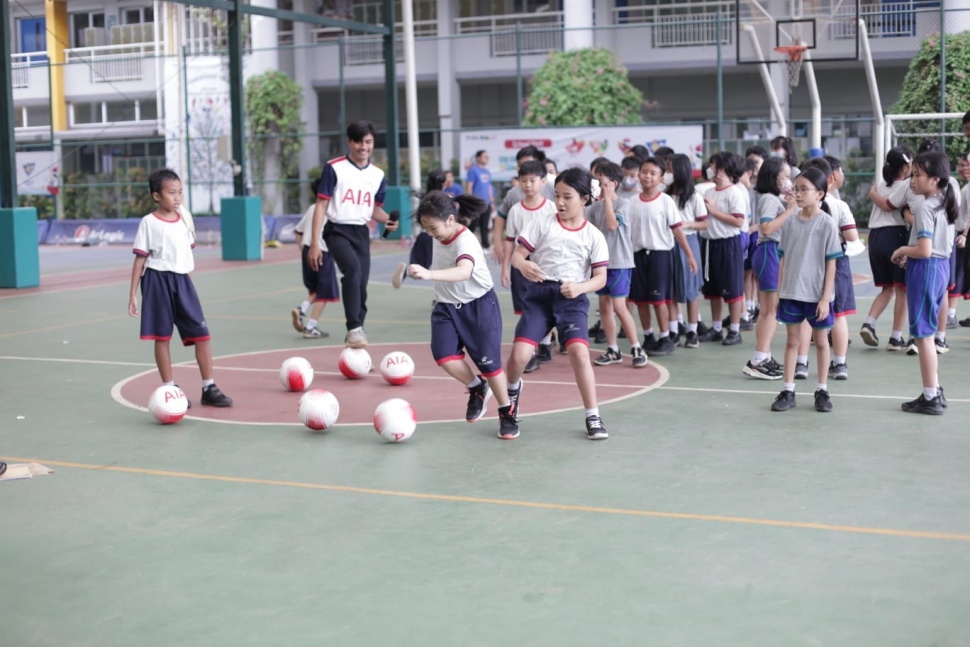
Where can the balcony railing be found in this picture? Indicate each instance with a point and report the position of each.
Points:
(110, 63)
(512, 34)
(887, 20)
(21, 64)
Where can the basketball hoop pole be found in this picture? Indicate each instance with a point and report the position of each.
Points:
(815, 133)
(766, 81)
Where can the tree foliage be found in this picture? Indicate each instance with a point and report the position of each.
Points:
(921, 89)
(273, 104)
(583, 87)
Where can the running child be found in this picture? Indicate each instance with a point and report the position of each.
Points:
(321, 283)
(533, 205)
(727, 208)
(926, 260)
(163, 261)
(887, 233)
(609, 215)
(565, 258)
(776, 203)
(466, 316)
(421, 249)
(655, 227)
(687, 284)
(808, 246)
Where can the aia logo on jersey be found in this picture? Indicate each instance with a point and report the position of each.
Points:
(359, 198)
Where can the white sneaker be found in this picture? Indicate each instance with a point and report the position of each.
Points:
(356, 338)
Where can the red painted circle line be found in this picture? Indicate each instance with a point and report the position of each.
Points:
(425, 391)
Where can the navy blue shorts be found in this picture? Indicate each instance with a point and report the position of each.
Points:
(724, 269)
(169, 300)
(475, 327)
(952, 285)
(844, 303)
(322, 284)
(653, 280)
(546, 308)
(960, 284)
(793, 313)
(617, 283)
(745, 249)
(883, 241)
(519, 286)
(765, 262)
(687, 286)
(926, 280)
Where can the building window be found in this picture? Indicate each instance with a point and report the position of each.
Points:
(87, 29)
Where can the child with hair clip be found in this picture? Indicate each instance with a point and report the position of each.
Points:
(466, 316)
(808, 247)
(926, 260)
(887, 233)
(565, 258)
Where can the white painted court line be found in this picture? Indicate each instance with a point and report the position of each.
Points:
(833, 394)
(68, 360)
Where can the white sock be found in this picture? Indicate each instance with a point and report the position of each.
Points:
(789, 386)
(634, 348)
(692, 327)
(871, 321)
(897, 334)
(941, 335)
(716, 325)
(547, 339)
(822, 387)
(735, 327)
(674, 327)
(951, 312)
(169, 383)
(757, 357)
(475, 382)
(802, 359)
(929, 394)
(614, 348)
(518, 385)
(207, 383)
(305, 307)
(648, 332)
(310, 324)
(595, 411)
(838, 359)
(664, 333)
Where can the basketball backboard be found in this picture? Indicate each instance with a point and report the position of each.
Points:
(828, 28)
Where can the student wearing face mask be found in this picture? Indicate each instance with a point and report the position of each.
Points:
(784, 148)
(630, 186)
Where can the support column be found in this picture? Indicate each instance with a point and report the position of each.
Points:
(58, 33)
(303, 59)
(265, 34)
(8, 158)
(577, 24)
(449, 91)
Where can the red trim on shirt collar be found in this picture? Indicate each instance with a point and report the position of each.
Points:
(541, 205)
(171, 222)
(452, 239)
(659, 193)
(725, 188)
(559, 220)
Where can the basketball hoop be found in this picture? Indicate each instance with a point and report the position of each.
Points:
(794, 54)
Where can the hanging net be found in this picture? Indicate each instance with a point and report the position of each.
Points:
(795, 54)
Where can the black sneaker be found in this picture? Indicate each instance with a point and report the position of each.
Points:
(477, 401)
(762, 370)
(731, 339)
(838, 371)
(508, 427)
(532, 365)
(188, 403)
(823, 403)
(747, 325)
(911, 347)
(691, 341)
(896, 345)
(933, 407)
(649, 341)
(212, 396)
(868, 334)
(941, 346)
(965, 323)
(702, 328)
(297, 316)
(595, 430)
(951, 322)
(675, 338)
(710, 335)
(801, 371)
(639, 357)
(609, 357)
(621, 334)
(544, 353)
(595, 328)
(662, 348)
(514, 395)
(784, 401)
(600, 338)
(942, 395)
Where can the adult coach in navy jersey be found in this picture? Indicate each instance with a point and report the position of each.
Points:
(350, 194)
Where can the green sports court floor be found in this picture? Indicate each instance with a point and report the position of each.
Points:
(703, 520)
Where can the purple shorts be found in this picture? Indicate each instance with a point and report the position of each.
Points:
(322, 284)
(926, 281)
(765, 263)
(793, 313)
(475, 327)
(546, 308)
(169, 299)
(617, 283)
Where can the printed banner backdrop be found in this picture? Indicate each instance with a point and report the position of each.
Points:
(576, 146)
(37, 173)
(121, 231)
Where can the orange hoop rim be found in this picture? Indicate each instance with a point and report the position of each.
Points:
(794, 52)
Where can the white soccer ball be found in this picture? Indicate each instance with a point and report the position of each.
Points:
(397, 368)
(319, 409)
(395, 420)
(354, 363)
(296, 374)
(168, 404)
